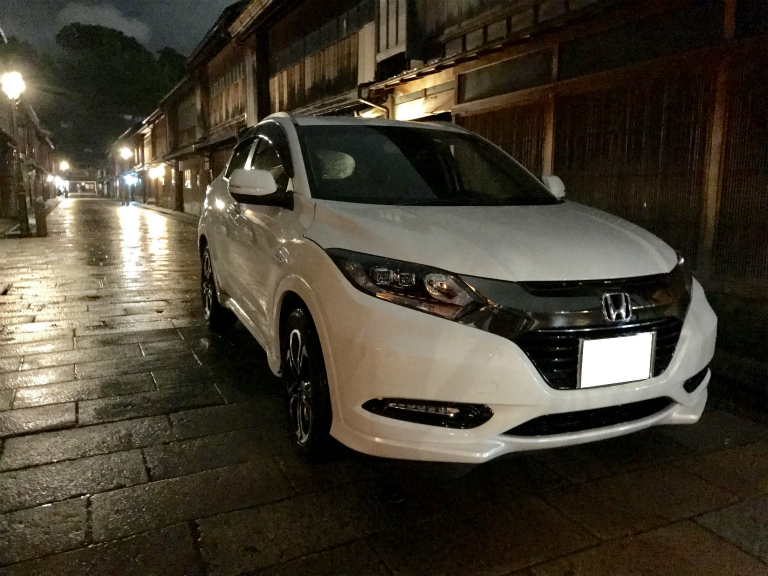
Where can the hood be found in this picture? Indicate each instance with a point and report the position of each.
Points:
(565, 241)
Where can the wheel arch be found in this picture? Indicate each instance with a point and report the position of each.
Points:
(294, 292)
(202, 244)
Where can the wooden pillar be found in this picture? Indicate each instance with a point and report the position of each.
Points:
(261, 82)
(179, 186)
(713, 178)
(548, 147)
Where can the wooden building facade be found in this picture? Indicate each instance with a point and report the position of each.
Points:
(653, 110)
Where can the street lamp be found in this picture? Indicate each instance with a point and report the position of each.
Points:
(13, 86)
(126, 153)
(63, 167)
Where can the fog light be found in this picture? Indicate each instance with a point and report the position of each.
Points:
(431, 413)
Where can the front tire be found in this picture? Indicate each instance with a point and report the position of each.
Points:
(309, 402)
(218, 317)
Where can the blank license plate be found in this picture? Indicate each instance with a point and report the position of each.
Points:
(616, 360)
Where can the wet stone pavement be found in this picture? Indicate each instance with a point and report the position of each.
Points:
(135, 441)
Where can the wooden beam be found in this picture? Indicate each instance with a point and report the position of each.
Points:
(729, 20)
(704, 57)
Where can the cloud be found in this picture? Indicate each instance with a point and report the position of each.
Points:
(104, 15)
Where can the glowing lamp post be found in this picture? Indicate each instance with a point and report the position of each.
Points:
(63, 185)
(13, 86)
(129, 179)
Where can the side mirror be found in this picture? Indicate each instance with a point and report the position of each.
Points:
(555, 186)
(257, 187)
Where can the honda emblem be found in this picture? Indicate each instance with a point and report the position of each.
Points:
(617, 307)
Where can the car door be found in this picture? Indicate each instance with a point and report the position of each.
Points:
(224, 222)
(260, 243)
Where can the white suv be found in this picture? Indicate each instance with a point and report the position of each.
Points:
(425, 297)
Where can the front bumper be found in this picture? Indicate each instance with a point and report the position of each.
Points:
(374, 349)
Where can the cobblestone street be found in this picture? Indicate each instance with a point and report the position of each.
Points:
(135, 441)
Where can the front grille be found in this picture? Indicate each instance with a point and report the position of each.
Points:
(569, 422)
(639, 284)
(555, 352)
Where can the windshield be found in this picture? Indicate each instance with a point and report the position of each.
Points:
(413, 166)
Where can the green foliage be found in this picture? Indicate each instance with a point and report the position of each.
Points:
(97, 86)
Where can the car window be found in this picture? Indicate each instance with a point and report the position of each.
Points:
(412, 166)
(239, 157)
(267, 158)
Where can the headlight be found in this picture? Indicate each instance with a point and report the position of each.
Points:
(412, 285)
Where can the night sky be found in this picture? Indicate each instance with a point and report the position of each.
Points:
(180, 24)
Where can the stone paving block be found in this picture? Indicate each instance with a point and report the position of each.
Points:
(138, 508)
(36, 329)
(351, 560)
(163, 347)
(12, 337)
(166, 552)
(16, 320)
(599, 459)
(141, 364)
(42, 347)
(130, 319)
(79, 356)
(127, 338)
(192, 333)
(682, 549)
(215, 419)
(101, 329)
(147, 404)
(206, 453)
(745, 524)
(40, 377)
(182, 376)
(27, 420)
(637, 501)
(260, 537)
(742, 470)
(269, 394)
(82, 442)
(13, 306)
(42, 484)
(84, 390)
(10, 364)
(308, 477)
(505, 539)
(71, 317)
(186, 322)
(716, 430)
(48, 529)
(6, 399)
